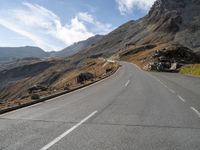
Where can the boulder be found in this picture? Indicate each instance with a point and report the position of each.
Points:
(163, 59)
(35, 88)
(160, 66)
(82, 77)
(174, 66)
(66, 87)
(172, 58)
(109, 70)
(35, 97)
(2, 101)
(157, 54)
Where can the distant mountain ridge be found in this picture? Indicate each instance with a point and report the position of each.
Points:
(13, 53)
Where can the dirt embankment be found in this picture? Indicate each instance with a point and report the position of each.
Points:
(53, 76)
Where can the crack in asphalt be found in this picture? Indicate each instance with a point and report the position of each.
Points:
(108, 124)
(142, 125)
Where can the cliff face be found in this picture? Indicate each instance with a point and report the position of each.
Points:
(179, 18)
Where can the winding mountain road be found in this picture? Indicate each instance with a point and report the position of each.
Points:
(131, 110)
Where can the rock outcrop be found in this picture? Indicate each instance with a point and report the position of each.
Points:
(171, 58)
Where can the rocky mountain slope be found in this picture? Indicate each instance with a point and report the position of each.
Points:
(180, 19)
(168, 21)
(14, 81)
(76, 47)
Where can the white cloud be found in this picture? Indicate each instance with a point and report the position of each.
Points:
(85, 16)
(100, 28)
(126, 6)
(45, 29)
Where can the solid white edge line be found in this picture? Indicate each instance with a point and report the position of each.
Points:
(196, 111)
(172, 91)
(181, 98)
(67, 132)
(127, 83)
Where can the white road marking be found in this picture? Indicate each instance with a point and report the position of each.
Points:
(67, 132)
(158, 80)
(137, 67)
(127, 83)
(165, 85)
(181, 98)
(196, 111)
(171, 90)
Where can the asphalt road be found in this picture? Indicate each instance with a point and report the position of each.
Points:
(131, 110)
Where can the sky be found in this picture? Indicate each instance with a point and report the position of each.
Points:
(55, 24)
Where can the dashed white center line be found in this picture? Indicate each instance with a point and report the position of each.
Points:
(127, 83)
(67, 132)
(158, 80)
(196, 111)
(181, 98)
(165, 85)
(171, 90)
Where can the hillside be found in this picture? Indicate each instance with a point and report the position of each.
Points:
(13, 53)
(48, 77)
(168, 21)
(76, 47)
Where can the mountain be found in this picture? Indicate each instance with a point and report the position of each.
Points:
(168, 22)
(179, 20)
(75, 48)
(13, 53)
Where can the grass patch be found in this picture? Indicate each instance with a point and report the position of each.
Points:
(193, 70)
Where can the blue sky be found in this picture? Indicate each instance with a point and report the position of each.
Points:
(56, 24)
